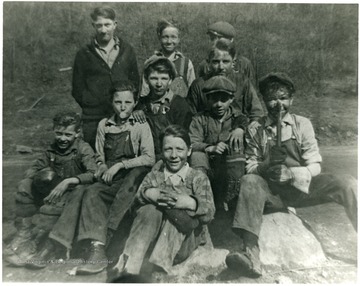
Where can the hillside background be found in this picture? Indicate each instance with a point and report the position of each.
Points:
(317, 45)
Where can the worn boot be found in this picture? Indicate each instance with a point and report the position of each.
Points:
(96, 262)
(23, 254)
(22, 236)
(44, 256)
(247, 261)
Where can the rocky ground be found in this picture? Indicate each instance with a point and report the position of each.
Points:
(327, 222)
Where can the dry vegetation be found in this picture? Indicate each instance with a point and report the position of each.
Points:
(315, 44)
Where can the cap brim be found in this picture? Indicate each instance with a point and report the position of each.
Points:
(218, 91)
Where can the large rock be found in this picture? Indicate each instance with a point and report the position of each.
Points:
(202, 257)
(285, 243)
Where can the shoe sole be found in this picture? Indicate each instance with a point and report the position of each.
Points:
(81, 271)
(240, 263)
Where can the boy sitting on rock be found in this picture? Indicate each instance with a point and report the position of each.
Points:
(283, 169)
(67, 162)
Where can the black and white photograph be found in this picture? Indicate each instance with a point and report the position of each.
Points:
(180, 142)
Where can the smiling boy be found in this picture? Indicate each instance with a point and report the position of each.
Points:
(67, 162)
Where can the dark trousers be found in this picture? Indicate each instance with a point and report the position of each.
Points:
(257, 196)
(104, 206)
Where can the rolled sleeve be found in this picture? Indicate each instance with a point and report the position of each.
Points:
(148, 182)
(309, 146)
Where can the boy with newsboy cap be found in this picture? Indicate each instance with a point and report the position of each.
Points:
(224, 30)
(283, 169)
(216, 137)
(48, 184)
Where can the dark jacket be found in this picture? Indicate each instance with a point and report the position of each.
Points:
(245, 99)
(93, 78)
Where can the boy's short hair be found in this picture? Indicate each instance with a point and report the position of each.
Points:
(222, 45)
(123, 86)
(105, 12)
(176, 131)
(159, 64)
(162, 25)
(67, 118)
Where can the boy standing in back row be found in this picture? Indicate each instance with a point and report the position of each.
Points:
(106, 60)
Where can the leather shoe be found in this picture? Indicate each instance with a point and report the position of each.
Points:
(96, 262)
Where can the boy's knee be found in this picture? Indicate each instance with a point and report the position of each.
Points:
(149, 213)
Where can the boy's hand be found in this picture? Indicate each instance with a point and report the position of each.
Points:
(236, 139)
(57, 192)
(152, 195)
(279, 174)
(100, 171)
(139, 116)
(109, 174)
(218, 148)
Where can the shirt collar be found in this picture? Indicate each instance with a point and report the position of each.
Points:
(174, 56)
(181, 173)
(167, 96)
(287, 119)
(115, 42)
(112, 120)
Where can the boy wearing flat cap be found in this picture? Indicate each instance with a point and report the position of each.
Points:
(216, 137)
(224, 30)
(283, 169)
(162, 107)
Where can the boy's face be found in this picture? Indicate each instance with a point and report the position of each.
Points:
(175, 153)
(219, 103)
(104, 29)
(276, 100)
(159, 83)
(123, 103)
(221, 63)
(169, 39)
(65, 136)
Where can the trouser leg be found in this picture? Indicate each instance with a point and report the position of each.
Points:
(65, 228)
(94, 211)
(254, 196)
(167, 246)
(144, 231)
(341, 189)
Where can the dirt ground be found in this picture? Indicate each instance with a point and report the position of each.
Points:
(329, 223)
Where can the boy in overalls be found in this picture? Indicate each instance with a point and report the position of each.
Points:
(67, 162)
(125, 150)
(281, 176)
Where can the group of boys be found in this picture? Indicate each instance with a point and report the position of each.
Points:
(226, 123)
